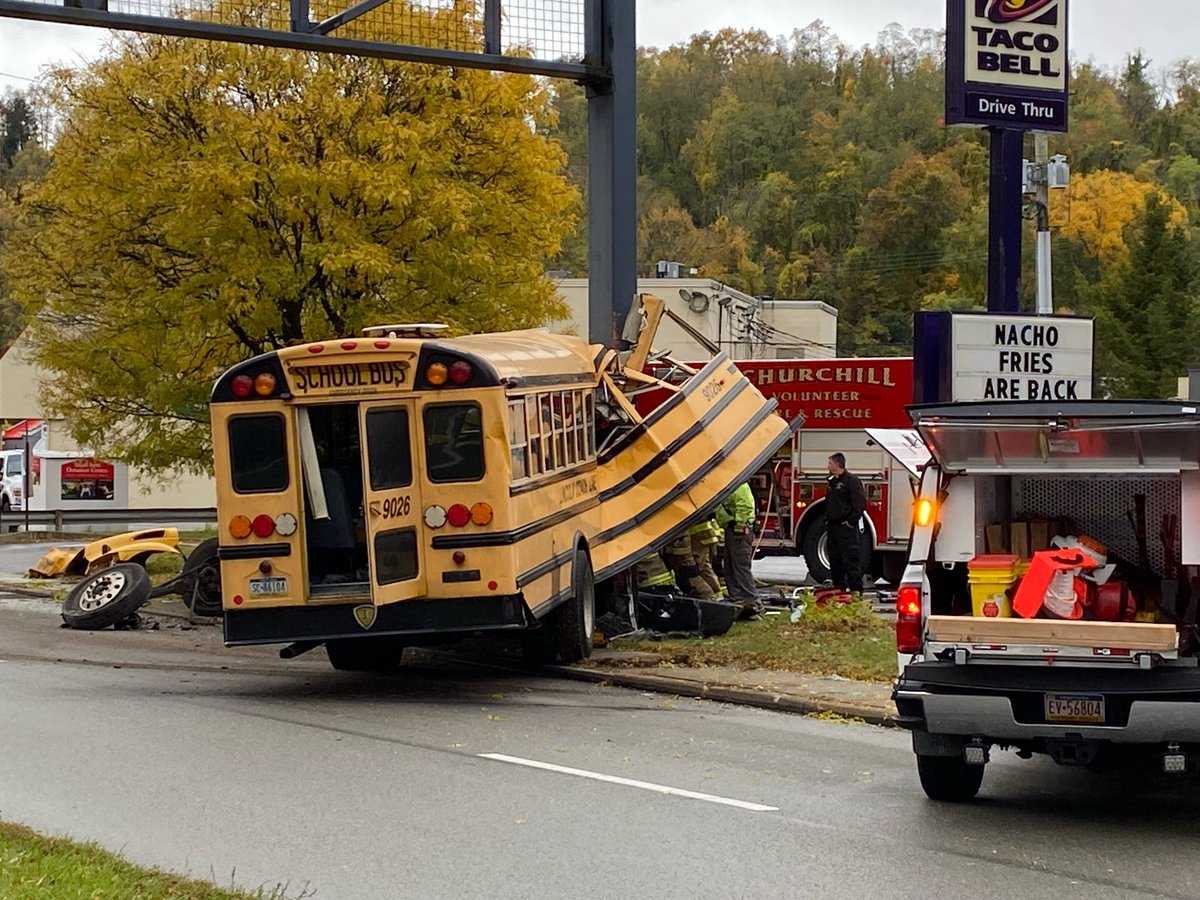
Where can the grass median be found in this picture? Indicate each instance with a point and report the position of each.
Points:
(849, 640)
(33, 867)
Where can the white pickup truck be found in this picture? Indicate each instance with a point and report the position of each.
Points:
(1087, 693)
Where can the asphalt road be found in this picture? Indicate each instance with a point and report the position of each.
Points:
(234, 766)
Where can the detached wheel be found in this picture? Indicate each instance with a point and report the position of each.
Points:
(378, 654)
(106, 597)
(948, 779)
(204, 569)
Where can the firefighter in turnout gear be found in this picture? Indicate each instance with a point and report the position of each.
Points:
(686, 568)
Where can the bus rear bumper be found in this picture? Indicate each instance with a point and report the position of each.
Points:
(284, 624)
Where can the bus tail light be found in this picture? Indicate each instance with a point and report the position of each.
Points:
(242, 386)
(458, 515)
(481, 514)
(264, 384)
(263, 526)
(435, 516)
(908, 619)
(436, 374)
(460, 372)
(240, 527)
(285, 524)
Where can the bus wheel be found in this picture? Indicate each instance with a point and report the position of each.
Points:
(576, 619)
(367, 654)
(204, 597)
(106, 597)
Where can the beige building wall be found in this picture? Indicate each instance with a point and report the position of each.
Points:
(20, 379)
(743, 326)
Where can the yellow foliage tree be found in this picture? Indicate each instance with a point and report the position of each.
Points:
(1099, 208)
(210, 201)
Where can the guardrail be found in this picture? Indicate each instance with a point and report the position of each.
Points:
(62, 519)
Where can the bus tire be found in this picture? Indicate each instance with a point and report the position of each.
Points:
(948, 779)
(204, 598)
(106, 597)
(365, 654)
(575, 620)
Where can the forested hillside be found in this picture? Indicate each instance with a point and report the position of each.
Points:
(801, 168)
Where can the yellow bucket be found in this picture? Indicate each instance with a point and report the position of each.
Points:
(990, 576)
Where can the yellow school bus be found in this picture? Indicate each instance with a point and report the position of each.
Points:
(402, 486)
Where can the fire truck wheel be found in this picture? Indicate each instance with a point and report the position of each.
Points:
(106, 597)
(816, 551)
(366, 654)
(948, 778)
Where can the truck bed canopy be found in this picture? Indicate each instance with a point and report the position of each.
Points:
(1097, 436)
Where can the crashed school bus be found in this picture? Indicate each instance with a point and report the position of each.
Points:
(375, 492)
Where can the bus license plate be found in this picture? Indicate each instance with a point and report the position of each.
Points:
(268, 587)
(1075, 709)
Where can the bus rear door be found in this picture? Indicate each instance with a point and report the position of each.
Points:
(392, 502)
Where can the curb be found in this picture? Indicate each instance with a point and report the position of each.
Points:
(791, 703)
(27, 590)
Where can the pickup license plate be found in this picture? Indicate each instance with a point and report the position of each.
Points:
(268, 587)
(1075, 709)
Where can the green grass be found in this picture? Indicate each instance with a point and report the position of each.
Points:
(850, 640)
(33, 867)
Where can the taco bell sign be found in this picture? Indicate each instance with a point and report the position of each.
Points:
(1006, 64)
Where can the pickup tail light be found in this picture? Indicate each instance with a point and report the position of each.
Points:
(908, 619)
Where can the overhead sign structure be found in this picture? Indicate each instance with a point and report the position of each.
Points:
(964, 357)
(1006, 64)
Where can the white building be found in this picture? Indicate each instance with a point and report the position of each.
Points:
(66, 476)
(744, 326)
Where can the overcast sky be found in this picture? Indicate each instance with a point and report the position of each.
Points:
(1103, 30)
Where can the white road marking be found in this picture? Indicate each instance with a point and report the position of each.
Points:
(629, 782)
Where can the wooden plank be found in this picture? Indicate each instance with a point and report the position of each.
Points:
(979, 630)
(997, 539)
(1020, 539)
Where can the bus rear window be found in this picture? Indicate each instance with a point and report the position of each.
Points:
(454, 442)
(258, 454)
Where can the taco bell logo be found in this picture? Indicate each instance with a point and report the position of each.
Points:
(1003, 12)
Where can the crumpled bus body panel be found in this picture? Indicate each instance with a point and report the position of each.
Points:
(674, 467)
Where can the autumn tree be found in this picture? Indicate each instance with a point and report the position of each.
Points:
(210, 201)
(1148, 309)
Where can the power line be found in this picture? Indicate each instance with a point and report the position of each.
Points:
(18, 77)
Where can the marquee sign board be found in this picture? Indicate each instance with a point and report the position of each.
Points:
(1007, 64)
(965, 357)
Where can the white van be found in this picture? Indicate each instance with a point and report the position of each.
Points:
(1085, 692)
(12, 483)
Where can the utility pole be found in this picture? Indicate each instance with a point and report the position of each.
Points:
(1045, 285)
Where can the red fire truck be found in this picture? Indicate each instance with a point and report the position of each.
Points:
(850, 406)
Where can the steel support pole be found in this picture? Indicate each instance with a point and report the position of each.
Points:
(612, 169)
(1045, 284)
(1004, 221)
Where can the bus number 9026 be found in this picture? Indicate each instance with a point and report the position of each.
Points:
(397, 507)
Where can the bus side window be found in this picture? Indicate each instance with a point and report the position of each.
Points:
(560, 453)
(590, 425)
(571, 454)
(518, 439)
(548, 449)
(535, 436)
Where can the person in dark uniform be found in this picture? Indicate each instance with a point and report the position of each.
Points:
(845, 503)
